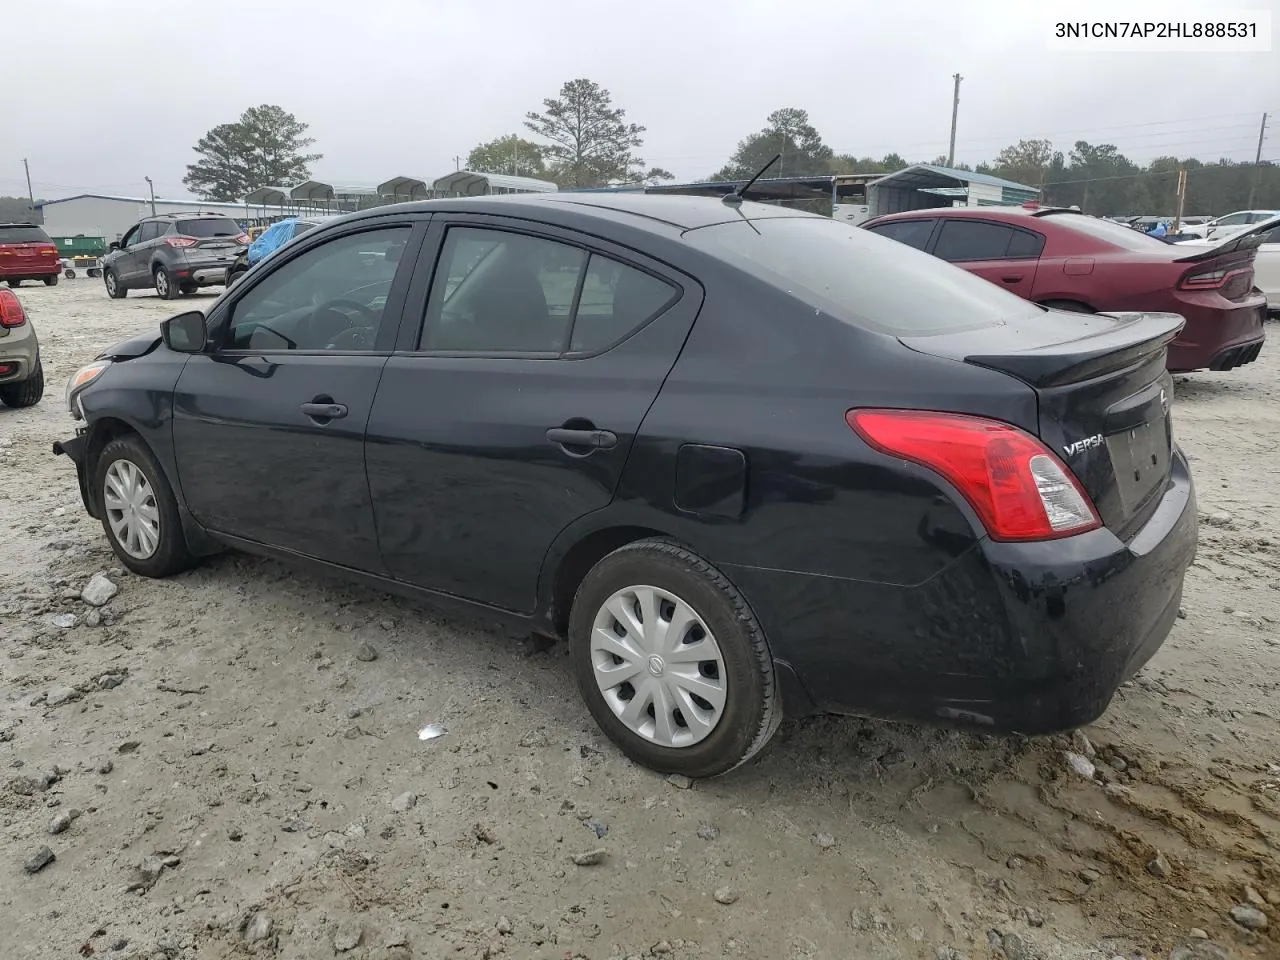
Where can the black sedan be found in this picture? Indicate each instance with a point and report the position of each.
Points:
(747, 461)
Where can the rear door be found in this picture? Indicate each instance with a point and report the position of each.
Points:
(1003, 254)
(512, 413)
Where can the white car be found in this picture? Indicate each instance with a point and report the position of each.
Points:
(1231, 223)
(1266, 265)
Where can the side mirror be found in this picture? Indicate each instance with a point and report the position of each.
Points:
(185, 333)
(113, 245)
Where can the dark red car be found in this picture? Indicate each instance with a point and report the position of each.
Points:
(27, 253)
(1070, 261)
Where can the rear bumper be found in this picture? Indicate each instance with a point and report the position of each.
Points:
(31, 270)
(1028, 638)
(1218, 334)
(19, 350)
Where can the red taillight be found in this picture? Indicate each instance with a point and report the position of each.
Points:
(1201, 279)
(243, 239)
(11, 312)
(1018, 488)
(179, 241)
(49, 251)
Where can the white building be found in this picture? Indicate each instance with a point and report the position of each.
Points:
(96, 215)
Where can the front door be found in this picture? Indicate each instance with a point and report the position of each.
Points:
(269, 427)
(1005, 255)
(513, 414)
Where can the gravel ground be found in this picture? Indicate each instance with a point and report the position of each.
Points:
(228, 763)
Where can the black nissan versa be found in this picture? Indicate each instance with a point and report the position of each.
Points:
(746, 460)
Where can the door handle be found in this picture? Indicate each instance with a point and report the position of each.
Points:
(324, 411)
(589, 439)
(1012, 278)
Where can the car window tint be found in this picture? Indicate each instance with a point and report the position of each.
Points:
(22, 233)
(209, 227)
(332, 297)
(500, 292)
(914, 233)
(859, 278)
(961, 240)
(616, 299)
(150, 230)
(1232, 220)
(1025, 245)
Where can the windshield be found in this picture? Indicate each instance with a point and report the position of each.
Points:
(863, 279)
(1113, 233)
(209, 227)
(23, 233)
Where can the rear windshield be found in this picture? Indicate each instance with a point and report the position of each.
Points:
(23, 233)
(209, 227)
(860, 278)
(1113, 233)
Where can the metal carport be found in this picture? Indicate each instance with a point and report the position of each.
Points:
(924, 185)
(404, 188)
(470, 183)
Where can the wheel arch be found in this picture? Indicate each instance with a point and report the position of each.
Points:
(566, 572)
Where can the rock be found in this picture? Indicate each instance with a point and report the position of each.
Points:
(1034, 917)
(295, 825)
(1080, 764)
(62, 821)
(1254, 898)
(1195, 933)
(109, 681)
(25, 786)
(151, 867)
(1015, 949)
(405, 802)
(57, 696)
(1159, 867)
(1117, 791)
(235, 834)
(257, 927)
(726, 895)
(824, 841)
(1083, 745)
(601, 829)
(93, 618)
(129, 746)
(366, 653)
(589, 859)
(946, 953)
(98, 591)
(1202, 949)
(708, 832)
(119, 943)
(1118, 764)
(504, 927)
(1251, 918)
(348, 936)
(105, 766)
(64, 621)
(679, 781)
(1182, 613)
(1089, 875)
(534, 738)
(39, 860)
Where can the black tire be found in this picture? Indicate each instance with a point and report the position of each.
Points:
(234, 276)
(187, 289)
(1068, 306)
(166, 289)
(69, 273)
(753, 705)
(51, 281)
(115, 289)
(24, 393)
(15, 284)
(171, 554)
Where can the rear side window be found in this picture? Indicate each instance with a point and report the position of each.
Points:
(615, 300)
(1115, 234)
(150, 230)
(23, 233)
(1025, 245)
(209, 227)
(860, 278)
(961, 240)
(914, 233)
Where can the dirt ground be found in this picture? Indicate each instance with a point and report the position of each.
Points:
(232, 761)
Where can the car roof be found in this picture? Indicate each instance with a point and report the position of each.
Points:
(191, 216)
(634, 209)
(22, 224)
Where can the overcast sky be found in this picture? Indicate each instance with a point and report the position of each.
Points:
(110, 93)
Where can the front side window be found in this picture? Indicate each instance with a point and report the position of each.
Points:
(131, 237)
(914, 233)
(333, 297)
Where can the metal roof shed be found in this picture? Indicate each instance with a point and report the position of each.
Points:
(924, 185)
(268, 197)
(404, 188)
(344, 196)
(470, 183)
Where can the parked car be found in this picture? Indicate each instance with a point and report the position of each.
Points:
(21, 374)
(286, 230)
(1071, 261)
(27, 253)
(1229, 224)
(747, 460)
(173, 253)
(1266, 264)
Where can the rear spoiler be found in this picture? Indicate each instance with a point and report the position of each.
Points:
(1133, 338)
(1236, 244)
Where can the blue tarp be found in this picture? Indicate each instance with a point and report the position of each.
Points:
(271, 240)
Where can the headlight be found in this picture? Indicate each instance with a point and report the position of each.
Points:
(81, 379)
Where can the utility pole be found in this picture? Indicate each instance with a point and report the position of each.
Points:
(1257, 163)
(955, 110)
(151, 187)
(457, 162)
(31, 195)
(1182, 198)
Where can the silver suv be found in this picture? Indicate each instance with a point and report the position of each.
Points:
(174, 254)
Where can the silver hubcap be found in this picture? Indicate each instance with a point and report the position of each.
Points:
(658, 666)
(111, 283)
(132, 512)
(162, 282)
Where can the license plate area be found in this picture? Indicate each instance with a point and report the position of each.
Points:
(1140, 458)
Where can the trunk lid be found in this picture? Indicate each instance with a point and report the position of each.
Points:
(1103, 397)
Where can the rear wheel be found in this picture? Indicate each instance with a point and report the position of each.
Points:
(165, 287)
(671, 661)
(15, 283)
(1069, 306)
(139, 510)
(51, 281)
(187, 289)
(24, 393)
(115, 289)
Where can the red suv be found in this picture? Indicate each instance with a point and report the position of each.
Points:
(1069, 261)
(27, 253)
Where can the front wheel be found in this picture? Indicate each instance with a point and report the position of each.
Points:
(671, 661)
(139, 510)
(166, 289)
(115, 289)
(24, 393)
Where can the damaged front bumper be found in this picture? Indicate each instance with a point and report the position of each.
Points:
(77, 448)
